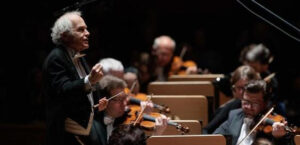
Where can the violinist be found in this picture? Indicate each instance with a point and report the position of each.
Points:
(131, 79)
(114, 110)
(157, 65)
(115, 68)
(127, 135)
(240, 77)
(163, 50)
(259, 57)
(241, 121)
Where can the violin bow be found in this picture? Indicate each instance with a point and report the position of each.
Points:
(182, 53)
(133, 85)
(269, 77)
(260, 121)
(142, 111)
(95, 106)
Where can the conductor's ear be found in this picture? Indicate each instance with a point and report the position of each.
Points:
(64, 36)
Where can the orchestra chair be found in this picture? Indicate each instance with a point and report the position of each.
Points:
(220, 97)
(195, 128)
(297, 139)
(195, 77)
(205, 88)
(187, 140)
(184, 107)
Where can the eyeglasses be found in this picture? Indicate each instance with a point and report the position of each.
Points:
(238, 88)
(253, 104)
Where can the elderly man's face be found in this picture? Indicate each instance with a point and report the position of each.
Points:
(164, 55)
(78, 40)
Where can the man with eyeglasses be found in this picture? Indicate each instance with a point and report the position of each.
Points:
(241, 121)
(114, 109)
(239, 79)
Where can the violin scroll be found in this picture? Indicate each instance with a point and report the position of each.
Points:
(183, 129)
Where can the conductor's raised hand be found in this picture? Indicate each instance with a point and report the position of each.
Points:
(96, 74)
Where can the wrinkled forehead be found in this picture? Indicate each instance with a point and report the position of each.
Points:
(76, 21)
(165, 49)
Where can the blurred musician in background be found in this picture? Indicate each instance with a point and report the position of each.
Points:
(157, 65)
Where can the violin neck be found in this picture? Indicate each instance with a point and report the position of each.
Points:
(150, 118)
(137, 101)
(269, 121)
(158, 107)
(134, 100)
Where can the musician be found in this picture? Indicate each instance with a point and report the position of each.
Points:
(131, 79)
(241, 121)
(259, 57)
(115, 110)
(240, 77)
(112, 66)
(157, 65)
(127, 135)
(69, 87)
(115, 68)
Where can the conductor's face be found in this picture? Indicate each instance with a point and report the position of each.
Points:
(78, 38)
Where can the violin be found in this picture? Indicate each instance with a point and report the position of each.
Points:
(178, 66)
(267, 120)
(147, 121)
(136, 99)
(266, 125)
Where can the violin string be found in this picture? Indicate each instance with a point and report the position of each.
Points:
(260, 121)
(95, 106)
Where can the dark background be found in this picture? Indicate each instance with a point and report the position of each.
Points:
(215, 30)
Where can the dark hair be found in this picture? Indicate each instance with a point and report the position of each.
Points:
(244, 52)
(257, 86)
(256, 52)
(244, 72)
(127, 135)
